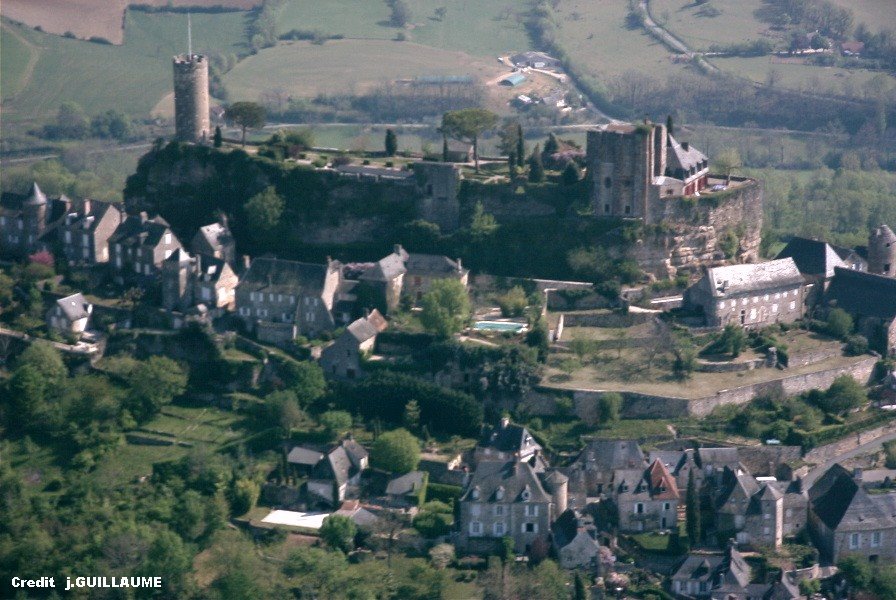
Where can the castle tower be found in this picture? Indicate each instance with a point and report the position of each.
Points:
(34, 211)
(191, 122)
(882, 252)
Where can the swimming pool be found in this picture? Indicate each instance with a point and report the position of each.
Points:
(499, 326)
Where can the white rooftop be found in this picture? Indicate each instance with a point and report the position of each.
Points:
(296, 519)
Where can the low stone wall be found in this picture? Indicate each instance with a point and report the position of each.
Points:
(646, 406)
(833, 450)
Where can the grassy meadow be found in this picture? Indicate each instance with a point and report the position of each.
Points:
(695, 25)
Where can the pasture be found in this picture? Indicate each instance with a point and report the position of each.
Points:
(476, 27)
(696, 27)
(800, 76)
(303, 69)
(598, 38)
(93, 18)
(876, 14)
(132, 77)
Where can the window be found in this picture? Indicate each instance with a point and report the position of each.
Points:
(608, 183)
(270, 297)
(752, 314)
(499, 510)
(744, 301)
(774, 308)
(778, 296)
(854, 541)
(767, 516)
(167, 238)
(475, 528)
(68, 237)
(530, 528)
(531, 510)
(499, 529)
(85, 240)
(788, 513)
(755, 299)
(792, 305)
(667, 506)
(628, 210)
(766, 530)
(606, 208)
(876, 539)
(639, 508)
(475, 509)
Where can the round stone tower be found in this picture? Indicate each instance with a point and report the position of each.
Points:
(191, 123)
(882, 251)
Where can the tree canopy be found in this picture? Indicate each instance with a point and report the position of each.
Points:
(467, 125)
(264, 209)
(396, 451)
(446, 307)
(246, 115)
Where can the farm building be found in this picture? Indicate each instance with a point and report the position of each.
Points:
(513, 80)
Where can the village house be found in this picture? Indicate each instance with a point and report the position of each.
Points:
(680, 463)
(752, 295)
(646, 499)
(69, 316)
(337, 475)
(406, 491)
(574, 538)
(343, 358)
(215, 240)
(25, 221)
(401, 274)
(844, 519)
(140, 244)
(281, 299)
(85, 232)
(871, 300)
(506, 498)
(591, 474)
(534, 59)
(727, 577)
(189, 281)
(508, 441)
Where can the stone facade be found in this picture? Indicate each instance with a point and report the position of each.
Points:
(140, 244)
(191, 98)
(199, 279)
(85, 232)
(343, 358)
(882, 252)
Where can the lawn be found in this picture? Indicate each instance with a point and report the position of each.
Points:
(597, 37)
(15, 55)
(806, 77)
(693, 24)
(876, 14)
(346, 66)
(484, 28)
(131, 78)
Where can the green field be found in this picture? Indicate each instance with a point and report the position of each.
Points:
(596, 36)
(809, 78)
(15, 55)
(131, 78)
(477, 27)
(346, 66)
(692, 24)
(876, 14)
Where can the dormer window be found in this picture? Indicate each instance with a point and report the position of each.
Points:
(623, 487)
(499, 493)
(526, 494)
(475, 493)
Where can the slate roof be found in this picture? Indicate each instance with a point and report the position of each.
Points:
(284, 277)
(729, 570)
(432, 264)
(763, 460)
(812, 257)
(206, 268)
(91, 220)
(863, 294)
(140, 231)
(388, 267)
(509, 438)
(37, 196)
(737, 481)
(216, 235)
(609, 455)
(840, 503)
(742, 279)
(356, 452)
(304, 456)
(74, 307)
(367, 327)
(336, 465)
(679, 158)
(511, 478)
(569, 526)
(718, 457)
(407, 484)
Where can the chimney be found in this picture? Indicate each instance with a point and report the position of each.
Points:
(857, 474)
(85, 206)
(397, 249)
(247, 262)
(686, 146)
(505, 421)
(460, 266)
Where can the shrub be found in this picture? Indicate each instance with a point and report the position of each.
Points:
(856, 345)
(839, 323)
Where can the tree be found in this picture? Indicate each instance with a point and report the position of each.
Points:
(305, 379)
(338, 532)
(727, 161)
(513, 303)
(520, 146)
(570, 174)
(246, 115)
(844, 394)
(441, 555)
(857, 572)
(283, 410)
(581, 591)
(552, 145)
(218, 139)
(243, 496)
(467, 125)
(445, 308)
(670, 126)
(482, 223)
(264, 209)
(839, 323)
(401, 13)
(608, 406)
(512, 169)
(536, 167)
(692, 511)
(733, 340)
(391, 143)
(412, 415)
(336, 422)
(396, 451)
(153, 383)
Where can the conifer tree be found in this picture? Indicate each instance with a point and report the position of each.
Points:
(692, 511)
(536, 167)
(391, 143)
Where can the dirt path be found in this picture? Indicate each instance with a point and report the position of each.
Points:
(33, 55)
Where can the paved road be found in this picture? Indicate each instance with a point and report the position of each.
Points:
(667, 38)
(865, 448)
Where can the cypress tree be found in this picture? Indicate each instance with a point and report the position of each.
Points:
(552, 145)
(218, 139)
(444, 148)
(536, 167)
(511, 165)
(669, 124)
(692, 511)
(570, 173)
(581, 589)
(391, 143)
(520, 147)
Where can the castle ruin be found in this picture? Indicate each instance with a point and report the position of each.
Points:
(191, 101)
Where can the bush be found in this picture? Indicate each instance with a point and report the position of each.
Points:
(513, 303)
(856, 345)
(839, 323)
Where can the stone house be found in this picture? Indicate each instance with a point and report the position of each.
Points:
(25, 221)
(302, 460)
(646, 499)
(505, 498)
(140, 244)
(386, 277)
(188, 281)
(871, 300)
(752, 295)
(215, 240)
(401, 274)
(591, 474)
(845, 520)
(280, 299)
(343, 358)
(84, 234)
(69, 315)
(574, 539)
(680, 463)
(727, 577)
(337, 475)
(405, 491)
(508, 441)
